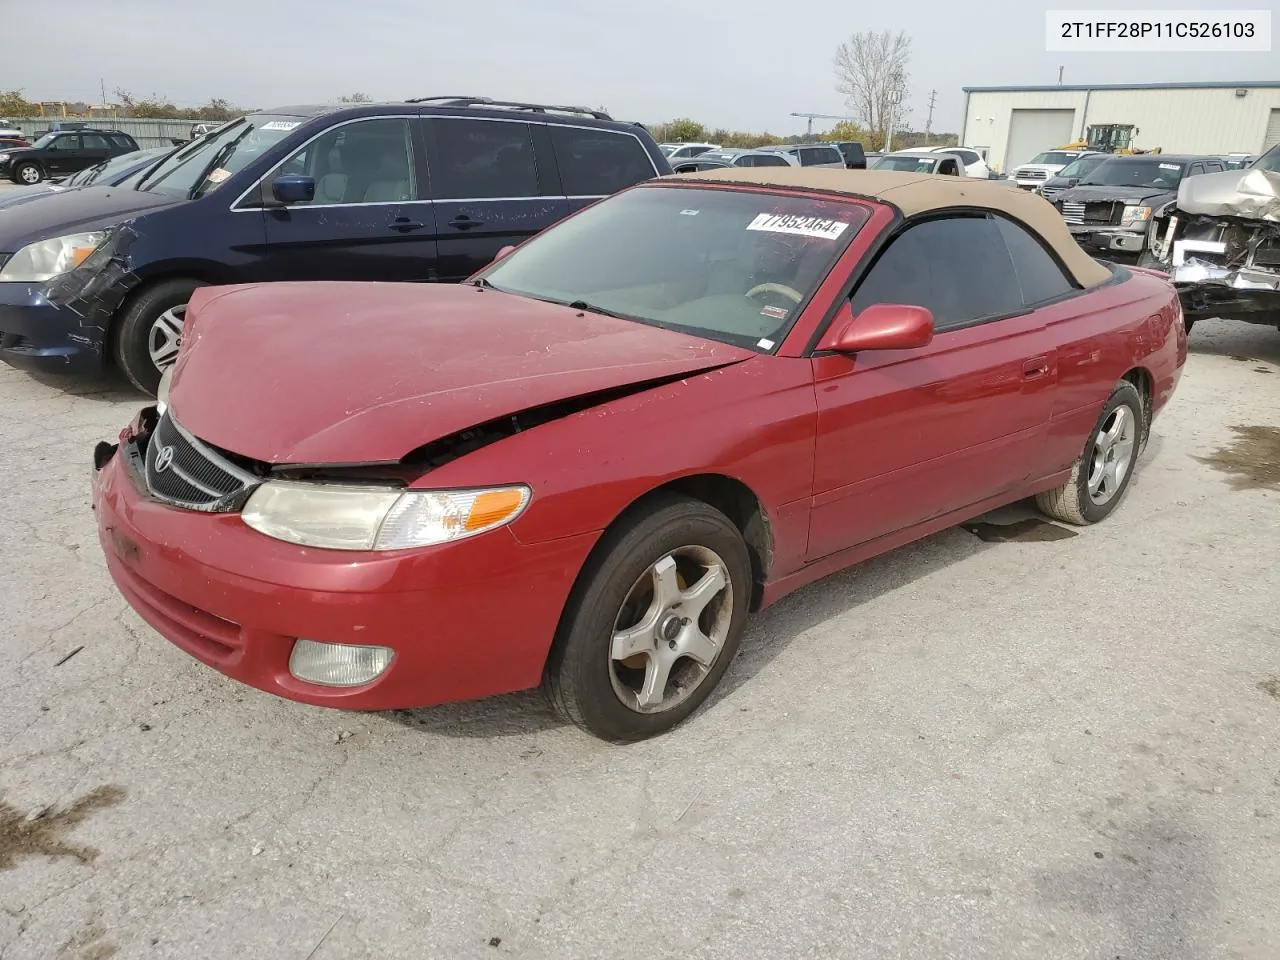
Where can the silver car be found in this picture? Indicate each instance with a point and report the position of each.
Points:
(811, 154)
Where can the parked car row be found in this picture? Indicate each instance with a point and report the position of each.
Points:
(685, 157)
(59, 153)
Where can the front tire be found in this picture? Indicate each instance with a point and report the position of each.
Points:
(149, 332)
(1101, 475)
(28, 173)
(653, 623)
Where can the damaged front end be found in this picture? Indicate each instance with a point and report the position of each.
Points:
(1221, 246)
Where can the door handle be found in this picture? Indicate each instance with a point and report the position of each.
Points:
(1034, 369)
(404, 224)
(463, 222)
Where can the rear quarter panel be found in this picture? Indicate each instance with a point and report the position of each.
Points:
(1132, 323)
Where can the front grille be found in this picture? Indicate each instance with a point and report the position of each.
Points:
(1105, 213)
(1032, 175)
(182, 471)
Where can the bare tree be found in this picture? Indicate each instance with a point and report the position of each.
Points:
(871, 72)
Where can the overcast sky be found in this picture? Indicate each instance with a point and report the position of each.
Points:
(743, 64)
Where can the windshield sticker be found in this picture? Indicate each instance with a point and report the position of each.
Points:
(818, 227)
(1170, 166)
(688, 213)
(281, 124)
(764, 344)
(777, 313)
(218, 175)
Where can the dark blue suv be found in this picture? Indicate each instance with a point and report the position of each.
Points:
(429, 189)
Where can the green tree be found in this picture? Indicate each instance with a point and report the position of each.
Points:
(356, 98)
(685, 129)
(153, 107)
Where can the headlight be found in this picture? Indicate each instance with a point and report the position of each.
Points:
(348, 517)
(3, 157)
(162, 391)
(37, 262)
(1136, 215)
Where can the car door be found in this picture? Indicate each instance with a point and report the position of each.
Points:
(63, 155)
(592, 164)
(908, 435)
(94, 148)
(492, 187)
(370, 218)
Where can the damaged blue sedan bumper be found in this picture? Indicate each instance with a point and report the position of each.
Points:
(37, 334)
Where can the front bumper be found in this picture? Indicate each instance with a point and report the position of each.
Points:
(1121, 239)
(38, 334)
(466, 620)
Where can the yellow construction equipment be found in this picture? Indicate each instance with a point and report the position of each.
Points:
(1114, 138)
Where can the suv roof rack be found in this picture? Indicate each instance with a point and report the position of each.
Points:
(510, 105)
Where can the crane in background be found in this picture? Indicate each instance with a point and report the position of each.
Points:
(821, 116)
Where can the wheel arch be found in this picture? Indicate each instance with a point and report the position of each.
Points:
(203, 271)
(1141, 379)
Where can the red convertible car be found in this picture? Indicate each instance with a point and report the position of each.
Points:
(586, 466)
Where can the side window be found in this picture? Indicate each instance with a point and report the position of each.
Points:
(595, 163)
(1196, 169)
(771, 160)
(949, 166)
(481, 159)
(94, 141)
(369, 161)
(68, 141)
(746, 162)
(1039, 275)
(809, 156)
(1213, 166)
(121, 142)
(956, 267)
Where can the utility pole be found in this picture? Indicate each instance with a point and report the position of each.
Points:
(896, 92)
(928, 122)
(102, 85)
(1060, 76)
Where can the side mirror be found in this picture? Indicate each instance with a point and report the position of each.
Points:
(503, 252)
(881, 326)
(293, 188)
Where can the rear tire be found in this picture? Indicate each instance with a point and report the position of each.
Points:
(1101, 475)
(148, 331)
(28, 174)
(653, 622)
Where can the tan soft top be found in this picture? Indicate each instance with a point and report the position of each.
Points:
(914, 193)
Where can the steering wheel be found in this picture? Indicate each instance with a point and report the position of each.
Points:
(779, 288)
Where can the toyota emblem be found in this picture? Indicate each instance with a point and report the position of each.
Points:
(164, 458)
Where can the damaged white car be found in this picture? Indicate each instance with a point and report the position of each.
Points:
(1221, 244)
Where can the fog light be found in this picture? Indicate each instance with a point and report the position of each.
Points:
(338, 664)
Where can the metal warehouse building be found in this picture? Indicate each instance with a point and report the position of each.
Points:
(1012, 124)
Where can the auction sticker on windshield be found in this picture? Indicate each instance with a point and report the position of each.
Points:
(818, 227)
(281, 124)
(1170, 166)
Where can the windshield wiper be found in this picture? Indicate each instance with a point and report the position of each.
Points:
(592, 308)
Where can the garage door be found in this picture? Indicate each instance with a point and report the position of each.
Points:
(1031, 131)
(1273, 131)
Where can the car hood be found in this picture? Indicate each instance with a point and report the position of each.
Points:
(69, 211)
(347, 373)
(15, 198)
(1092, 194)
(1252, 194)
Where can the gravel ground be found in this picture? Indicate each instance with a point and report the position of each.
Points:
(964, 749)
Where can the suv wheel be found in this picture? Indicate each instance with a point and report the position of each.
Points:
(149, 331)
(28, 173)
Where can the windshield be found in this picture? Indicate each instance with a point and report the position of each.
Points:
(109, 169)
(45, 140)
(1078, 168)
(1052, 156)
(729, 265)
(906, 164)
(206, 164)
(1269, 161)
(1155, 173)
(669, 148)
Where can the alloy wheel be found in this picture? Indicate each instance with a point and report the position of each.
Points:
(671, 629)
(1112, 455)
